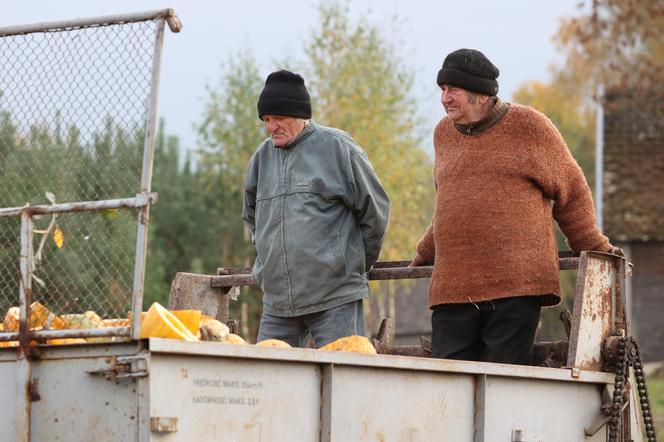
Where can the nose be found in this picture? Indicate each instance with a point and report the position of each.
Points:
(445, 97)
(271, 126)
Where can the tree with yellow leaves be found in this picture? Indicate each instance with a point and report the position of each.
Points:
(360, 85)
(618, 44)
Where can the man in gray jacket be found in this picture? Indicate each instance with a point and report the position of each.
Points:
(317, 214)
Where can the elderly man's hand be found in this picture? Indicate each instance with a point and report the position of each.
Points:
(617, 251)
(418, 261)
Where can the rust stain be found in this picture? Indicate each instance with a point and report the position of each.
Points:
(591, 365)
(24, 328)
(380, 436)
(33, 389)
(602, 267)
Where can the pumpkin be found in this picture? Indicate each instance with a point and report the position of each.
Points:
(161, 323)
(115, 322)
(54, 322)
(10, 323)
(276, 343)
(130, 315)
(40, 316)
(65, 341)
(213, 330)
(234, 339)
(357, 344)
(80, 321)
(191, 319)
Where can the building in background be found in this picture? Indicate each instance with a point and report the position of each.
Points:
(633, 209)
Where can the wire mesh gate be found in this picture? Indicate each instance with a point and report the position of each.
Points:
(77, 123)
(77, 118)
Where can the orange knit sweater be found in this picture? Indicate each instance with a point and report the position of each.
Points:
(492, 233)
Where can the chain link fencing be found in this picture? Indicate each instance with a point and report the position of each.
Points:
(74, 110)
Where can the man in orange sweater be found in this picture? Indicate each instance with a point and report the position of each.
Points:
(503, 173)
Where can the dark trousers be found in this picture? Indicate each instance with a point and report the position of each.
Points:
(491, 331)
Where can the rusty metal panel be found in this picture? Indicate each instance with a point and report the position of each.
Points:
(71, 405)
(77, 406)
(594, 310)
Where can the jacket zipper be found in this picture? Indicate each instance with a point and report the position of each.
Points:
(284, 154)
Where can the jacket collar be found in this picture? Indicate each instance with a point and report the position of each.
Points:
(303, 135)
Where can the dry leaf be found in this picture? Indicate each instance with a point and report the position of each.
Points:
(110, 213)
(58, 237)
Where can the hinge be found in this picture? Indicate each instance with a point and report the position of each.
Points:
(125, 367)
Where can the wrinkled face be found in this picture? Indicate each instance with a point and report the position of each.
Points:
(461, 106)
(283, 130)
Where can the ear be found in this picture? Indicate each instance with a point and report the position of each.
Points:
(483, 99)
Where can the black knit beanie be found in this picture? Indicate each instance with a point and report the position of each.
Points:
(285, 95)
(471, 70)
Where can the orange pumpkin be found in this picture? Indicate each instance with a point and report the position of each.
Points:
(357, 344)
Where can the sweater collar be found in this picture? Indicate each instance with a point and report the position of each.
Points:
(496, 114)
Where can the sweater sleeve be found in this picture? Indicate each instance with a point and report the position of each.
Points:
(562, 181)
(426, 247)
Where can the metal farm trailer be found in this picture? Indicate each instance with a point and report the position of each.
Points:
(170, 390)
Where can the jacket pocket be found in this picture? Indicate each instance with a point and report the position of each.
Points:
(337, 256)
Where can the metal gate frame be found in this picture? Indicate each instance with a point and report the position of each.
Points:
(141, 201)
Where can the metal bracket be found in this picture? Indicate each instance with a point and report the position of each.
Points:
(524, 436)
(125, 367)
(164, 424)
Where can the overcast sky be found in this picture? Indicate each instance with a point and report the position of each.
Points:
(515, 34)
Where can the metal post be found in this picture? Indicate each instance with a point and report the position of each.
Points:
(481, 383)
(24, 369)
(327, 374)
(599, 158)
(146, 180)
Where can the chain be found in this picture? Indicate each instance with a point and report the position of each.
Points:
(643, 395)
(628, 354)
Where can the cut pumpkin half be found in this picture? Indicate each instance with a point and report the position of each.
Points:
(161, 323)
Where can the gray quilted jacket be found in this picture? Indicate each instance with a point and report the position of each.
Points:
(318, 215)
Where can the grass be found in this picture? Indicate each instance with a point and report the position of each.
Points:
(656, 394)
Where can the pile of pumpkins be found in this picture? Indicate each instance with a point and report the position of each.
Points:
(157, 322)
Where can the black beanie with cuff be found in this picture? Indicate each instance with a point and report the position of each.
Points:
(284, 94)
(469, 69)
